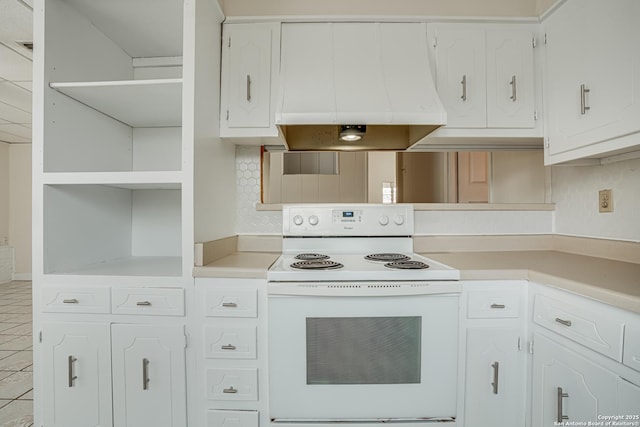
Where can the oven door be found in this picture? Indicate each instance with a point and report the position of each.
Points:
(363, 357)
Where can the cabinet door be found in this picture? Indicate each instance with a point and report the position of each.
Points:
(246, 81)
(461, 74)
(510, 82)
(495, 378)
(592, 74)
(569, 387)
(148, 376)
(628, 399)
(76, 375)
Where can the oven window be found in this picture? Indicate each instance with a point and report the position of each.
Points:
(363, 350)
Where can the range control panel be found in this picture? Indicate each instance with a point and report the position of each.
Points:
(347, 220)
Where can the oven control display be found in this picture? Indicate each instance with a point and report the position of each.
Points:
(347, 216)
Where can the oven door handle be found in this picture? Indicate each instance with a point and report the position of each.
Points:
(366, 289)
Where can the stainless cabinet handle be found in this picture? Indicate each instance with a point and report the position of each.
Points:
(145, 374)
(513, 89)
(563, 322)
(560, 417)
(494, 305)
(464, 87)
(494, 384)
(584, 90)
(70, 301)
(248, 88)
(228, 347)
(229, 304)
(72, 377)
(230, 390)
(143, 303)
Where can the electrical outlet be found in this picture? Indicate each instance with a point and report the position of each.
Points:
(605, 201)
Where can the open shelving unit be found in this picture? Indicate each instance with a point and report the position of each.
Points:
(113, 167)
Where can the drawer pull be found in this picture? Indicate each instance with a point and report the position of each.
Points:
(143, 303)
(560, 416)
(230, 390)
(229, 304)
(563, 322)
(228, 347)
(498, 305)
(70, 301)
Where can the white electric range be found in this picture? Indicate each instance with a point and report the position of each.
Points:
(361, 329)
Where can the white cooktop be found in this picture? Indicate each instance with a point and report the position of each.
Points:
(357, 268)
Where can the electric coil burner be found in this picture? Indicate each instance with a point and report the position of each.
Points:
(322, 264)
(407, 265)
(311, 257)
(388, 257)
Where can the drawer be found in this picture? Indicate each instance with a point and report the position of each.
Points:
(148, 301)
(222, 418)
(75, 300)
(230, 343)
(231, 302)
(232, 384)
(493, 304)
(588, 324)
(631, 355)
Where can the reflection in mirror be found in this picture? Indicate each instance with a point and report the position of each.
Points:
(404, 177)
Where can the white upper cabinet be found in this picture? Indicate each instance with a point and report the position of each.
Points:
(250, 57)
(485, 75)
(461, 74)
(592, 79)
(510, 81)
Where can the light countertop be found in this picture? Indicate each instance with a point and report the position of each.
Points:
(612, 282)
(252, 265)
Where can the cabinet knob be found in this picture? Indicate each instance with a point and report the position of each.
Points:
(228, 347)
(143, 303)
(70, 301)
(494, 305)
(229, 304)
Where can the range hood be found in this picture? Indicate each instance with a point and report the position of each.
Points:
(373, 74)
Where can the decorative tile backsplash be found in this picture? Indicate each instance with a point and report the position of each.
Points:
(249, 220)
(575, 193)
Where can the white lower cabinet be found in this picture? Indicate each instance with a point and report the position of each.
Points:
(569, 387)
(493, 386)
(232, 379)
(122, 375)
(149, 383)
(495, 377)
(628, 400)
(224, 418)
(76, 374)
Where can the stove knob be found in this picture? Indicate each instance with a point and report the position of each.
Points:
(398, 219)
(313, 220)
(297, 220)
(383, 220)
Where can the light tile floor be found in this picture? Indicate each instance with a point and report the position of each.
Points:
(16, 355)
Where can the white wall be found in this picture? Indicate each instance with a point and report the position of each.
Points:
(526, 8)
(575, 192)
(4, 192)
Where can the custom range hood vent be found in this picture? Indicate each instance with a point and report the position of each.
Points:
(373, 75)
